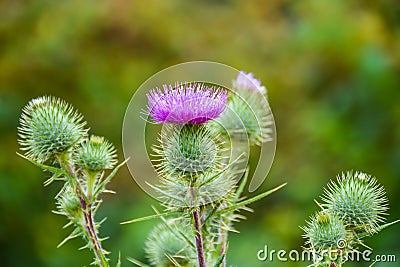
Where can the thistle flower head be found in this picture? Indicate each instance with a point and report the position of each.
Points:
(246, 81)
(358, 199)
(49, 126)
(165, 247)
(188, 150)
(186, 103)
(325, 231)
(96, 154)
(247, 116)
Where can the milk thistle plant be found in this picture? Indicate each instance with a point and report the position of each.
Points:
(53, 135)
(197, 183)
(353, 208)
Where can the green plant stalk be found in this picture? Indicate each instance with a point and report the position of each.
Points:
(92, 235)
(87, 206)
(199, 237)
(91, 178)
(224, 240)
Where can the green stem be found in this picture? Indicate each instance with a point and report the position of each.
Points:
(92, 235)
(199, 237)
(91, 178)
(86, 205)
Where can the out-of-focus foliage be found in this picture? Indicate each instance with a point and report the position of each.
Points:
(332, 69)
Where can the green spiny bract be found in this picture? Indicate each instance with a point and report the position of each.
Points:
(246, 117)
(208, 188)
(165, 248)
(327, 239)
(358, 200)
(96, 154)
(69, 205)
(325, 231)
(186, 151)
(49, 126)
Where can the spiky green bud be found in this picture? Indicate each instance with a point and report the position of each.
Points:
(96, 154)
(165, 246)
(188, 151)
(358, 199)
(325, 231)
(247, 117)
(69, 205)
(49, 126)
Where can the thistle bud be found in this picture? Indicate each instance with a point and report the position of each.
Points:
(49, 126)
(187, 151)
(247, 115)
(69, 205)
(165, 245)
(96, 154)
(358, 199)
(324, 231)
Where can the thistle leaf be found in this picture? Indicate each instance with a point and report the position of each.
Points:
(137, 262)
(100, 188)
(119, 260)
(75, 233)
(250, 200)
(380, 228)
(151, 217)
(219, 260)
(56, 171)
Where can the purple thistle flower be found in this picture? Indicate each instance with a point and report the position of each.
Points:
(248, 82)
(185, 103)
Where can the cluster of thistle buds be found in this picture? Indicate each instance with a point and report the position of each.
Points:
(53, 135)
(198, 181)
(353, 208)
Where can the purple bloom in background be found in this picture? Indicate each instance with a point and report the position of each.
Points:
(247, 81)
(185, 103)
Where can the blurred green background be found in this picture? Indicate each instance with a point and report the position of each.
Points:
(332, 69)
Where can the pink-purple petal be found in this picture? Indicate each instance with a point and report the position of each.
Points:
(186, 103)
(247, 81)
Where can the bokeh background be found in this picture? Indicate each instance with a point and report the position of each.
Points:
(332, 69)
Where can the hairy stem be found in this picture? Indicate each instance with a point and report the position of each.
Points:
(92, 235)
(86, 204)
(199, 237)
